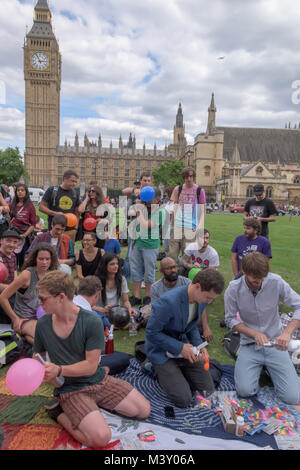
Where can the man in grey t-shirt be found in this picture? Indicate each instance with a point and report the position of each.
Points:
(171, 280)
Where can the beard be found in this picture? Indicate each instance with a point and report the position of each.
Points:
(171, 277)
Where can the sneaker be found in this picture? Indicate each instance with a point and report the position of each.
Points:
(222, 323)
(146, 300)
(143, 285)
(134, 301)
(53, 409)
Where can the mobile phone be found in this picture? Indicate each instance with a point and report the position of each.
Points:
(169, 412)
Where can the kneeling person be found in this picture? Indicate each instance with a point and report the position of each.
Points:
(73, 339)
(172, 332)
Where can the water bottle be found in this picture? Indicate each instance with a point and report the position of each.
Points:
(132, 327)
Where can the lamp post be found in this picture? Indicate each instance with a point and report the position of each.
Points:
(189, 157)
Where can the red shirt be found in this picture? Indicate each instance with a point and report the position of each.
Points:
(24, 217)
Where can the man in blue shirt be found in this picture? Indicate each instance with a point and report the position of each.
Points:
(172, 333)
(256, 296)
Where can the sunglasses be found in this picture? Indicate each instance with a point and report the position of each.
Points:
(92, 191)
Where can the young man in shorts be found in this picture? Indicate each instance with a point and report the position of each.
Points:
(73, 339)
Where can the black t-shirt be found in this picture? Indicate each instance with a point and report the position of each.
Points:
(263, 208)
(65, 200)
(89, 267)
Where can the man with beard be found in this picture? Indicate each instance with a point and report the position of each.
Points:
(247, 243)
(256, 296)
(171, 280)
(262, 208)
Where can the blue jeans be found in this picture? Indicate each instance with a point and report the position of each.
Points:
(280, 367)
(142, 264)
(126, 265)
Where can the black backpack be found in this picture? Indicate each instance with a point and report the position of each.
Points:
(11, 347)
(231, 343)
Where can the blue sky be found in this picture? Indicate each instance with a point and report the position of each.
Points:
(128, 63)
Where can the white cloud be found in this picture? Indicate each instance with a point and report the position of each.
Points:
(133, 61)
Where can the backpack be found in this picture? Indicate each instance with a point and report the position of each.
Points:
(11, 347)
(140, 352)
(231, 343)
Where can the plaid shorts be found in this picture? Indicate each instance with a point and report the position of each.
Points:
(107, 394)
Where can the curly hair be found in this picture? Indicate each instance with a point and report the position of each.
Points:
(30, 261)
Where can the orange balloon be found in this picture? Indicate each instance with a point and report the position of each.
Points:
(71, 220)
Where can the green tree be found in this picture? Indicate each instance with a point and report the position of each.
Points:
(169, 173)
(11, 166)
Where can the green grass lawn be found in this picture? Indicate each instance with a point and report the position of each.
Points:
(285, 242)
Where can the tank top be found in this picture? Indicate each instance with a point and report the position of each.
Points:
(88, 267)
(26, 302)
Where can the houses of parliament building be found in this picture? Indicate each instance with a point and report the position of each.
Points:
(228, 161)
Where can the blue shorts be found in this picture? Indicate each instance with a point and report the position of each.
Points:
(142, 264)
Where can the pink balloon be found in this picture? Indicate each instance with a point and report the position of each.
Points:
(25, 376)
(40, 312)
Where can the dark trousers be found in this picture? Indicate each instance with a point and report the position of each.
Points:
(179, 378)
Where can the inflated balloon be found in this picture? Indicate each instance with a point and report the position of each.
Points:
(3, 272)
(147, 194)
(71, 220)
(119, 316)
(193, 272)
(40, 312)
(25, 376)
(89, 224)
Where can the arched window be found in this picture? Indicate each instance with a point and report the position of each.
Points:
(249, 192)
(259, 170)
(207, 170)
(297, 180)
(269, 191)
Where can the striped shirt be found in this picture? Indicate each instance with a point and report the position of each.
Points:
(11, 265)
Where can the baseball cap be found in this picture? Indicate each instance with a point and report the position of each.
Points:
(258, 189)
(10, 234)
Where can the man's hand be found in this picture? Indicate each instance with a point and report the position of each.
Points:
(188, 353)
(282, 342)
(207, 334)
(260, 338)
(51, 372)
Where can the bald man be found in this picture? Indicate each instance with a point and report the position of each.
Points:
(171, 280)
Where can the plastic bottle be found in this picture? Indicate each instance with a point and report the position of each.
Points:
(240, 423)
(109, 345)
(132, 327)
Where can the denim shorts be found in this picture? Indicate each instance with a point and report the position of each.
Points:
(142, 264)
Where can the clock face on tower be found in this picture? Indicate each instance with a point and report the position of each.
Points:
(39, 61)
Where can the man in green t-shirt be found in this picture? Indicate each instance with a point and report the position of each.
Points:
(145, 233)
(73, 339)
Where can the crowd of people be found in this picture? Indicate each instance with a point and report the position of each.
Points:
(76, 290)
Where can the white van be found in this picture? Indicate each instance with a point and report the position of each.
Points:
(36, 195)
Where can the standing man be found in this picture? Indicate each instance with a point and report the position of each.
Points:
(256, 296)
(9, 242)
(170, 280)
(262, 208)
(60, 241)
(62, 199)
(200, 254)
(189, 213)
(73, 339)
(250, 241)
(172, 332)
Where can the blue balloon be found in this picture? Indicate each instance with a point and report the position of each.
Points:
(147, 194)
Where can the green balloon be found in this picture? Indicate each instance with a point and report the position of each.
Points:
(193, 272)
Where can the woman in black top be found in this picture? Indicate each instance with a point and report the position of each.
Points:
(88, 259)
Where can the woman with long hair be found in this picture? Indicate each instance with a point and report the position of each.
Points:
(23, 317)
(88, 258)
(88, 209)
(23, 219)
(114, 285)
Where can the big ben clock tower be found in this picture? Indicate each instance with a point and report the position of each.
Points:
(42, 72)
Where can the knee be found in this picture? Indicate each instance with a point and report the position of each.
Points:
(182, 401)
(100, 438)
(290, 397)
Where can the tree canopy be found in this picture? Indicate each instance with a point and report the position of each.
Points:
(11, 166)
(169, 173)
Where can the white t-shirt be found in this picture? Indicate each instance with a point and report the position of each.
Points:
(82, 302)
(112, 296)
(208, 259)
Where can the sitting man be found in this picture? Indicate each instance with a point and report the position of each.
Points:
(199, 255)
(256, 296)
(9, 242)
(89, 290)
(60, 241)
(171, 280)
(250, 241)
(172, 332)
(73, 339)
